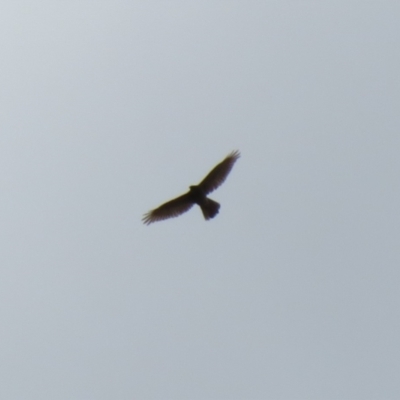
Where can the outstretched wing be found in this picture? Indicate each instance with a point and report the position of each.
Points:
(218, 175)
(171, 209)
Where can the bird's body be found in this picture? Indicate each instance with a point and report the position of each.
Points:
(210, 208)
(196, 195)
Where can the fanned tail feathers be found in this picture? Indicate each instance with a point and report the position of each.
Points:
(210, 208)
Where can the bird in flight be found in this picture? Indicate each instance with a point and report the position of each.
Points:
(196, 195)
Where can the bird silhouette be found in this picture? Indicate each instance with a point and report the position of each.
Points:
(196, 195)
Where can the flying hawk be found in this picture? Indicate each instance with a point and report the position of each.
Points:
(196, 195)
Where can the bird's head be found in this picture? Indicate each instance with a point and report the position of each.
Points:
(194, 189)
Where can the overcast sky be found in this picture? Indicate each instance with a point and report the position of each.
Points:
(110, 108)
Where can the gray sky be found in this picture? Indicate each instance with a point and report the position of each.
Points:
(108, 109)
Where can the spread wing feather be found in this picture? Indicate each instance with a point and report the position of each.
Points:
(218, 174)
(170, 209)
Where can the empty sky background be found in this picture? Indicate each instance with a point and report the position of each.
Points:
(108, 109)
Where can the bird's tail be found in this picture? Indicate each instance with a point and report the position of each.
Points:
(210, 208)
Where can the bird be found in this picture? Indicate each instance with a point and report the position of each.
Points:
(197, 194)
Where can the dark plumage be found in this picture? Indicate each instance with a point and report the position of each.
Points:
(196, 195)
